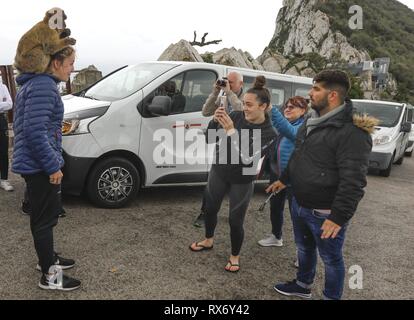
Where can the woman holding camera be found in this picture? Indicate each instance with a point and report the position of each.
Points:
(236, 179)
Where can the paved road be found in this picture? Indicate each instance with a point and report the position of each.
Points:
(141, 252)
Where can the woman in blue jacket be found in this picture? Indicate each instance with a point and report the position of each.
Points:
(287, 124)
(37, 157)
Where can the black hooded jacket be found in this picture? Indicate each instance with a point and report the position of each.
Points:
(329, 165)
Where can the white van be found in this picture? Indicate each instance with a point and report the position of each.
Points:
(390, 139)
(112, 129)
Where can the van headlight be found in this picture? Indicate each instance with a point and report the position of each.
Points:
(381, 140)
(78, 122)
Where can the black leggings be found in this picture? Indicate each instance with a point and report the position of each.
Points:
(239, 198)
(277, 207)
(4, 148)
(45, 208)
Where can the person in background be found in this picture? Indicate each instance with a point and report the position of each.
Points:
(287, 125)
(6, 104)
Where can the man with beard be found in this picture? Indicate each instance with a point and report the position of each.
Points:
(327, 172)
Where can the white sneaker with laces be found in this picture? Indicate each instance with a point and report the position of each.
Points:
(4, 184)
(271, 241)
(56, 280)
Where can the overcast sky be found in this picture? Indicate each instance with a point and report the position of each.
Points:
(114, 33)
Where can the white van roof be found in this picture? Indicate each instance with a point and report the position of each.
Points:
(379, 102)
(244, 71)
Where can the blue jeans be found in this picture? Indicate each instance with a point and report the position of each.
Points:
(307, 225)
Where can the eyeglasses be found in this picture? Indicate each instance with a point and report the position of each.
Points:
(290, 107)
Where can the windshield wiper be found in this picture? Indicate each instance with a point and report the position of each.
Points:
(90, 97)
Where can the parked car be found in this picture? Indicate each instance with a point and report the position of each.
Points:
(113, 129)
(410, 147)
(390, 139)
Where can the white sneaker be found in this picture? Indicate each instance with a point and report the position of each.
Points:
(4, 184)
(56, 280)
(296, 264)
(271, 241)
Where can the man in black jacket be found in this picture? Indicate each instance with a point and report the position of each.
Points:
(327, 172)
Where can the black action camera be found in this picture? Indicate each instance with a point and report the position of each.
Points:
(222, 82)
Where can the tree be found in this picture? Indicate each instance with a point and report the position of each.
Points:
(203, 41)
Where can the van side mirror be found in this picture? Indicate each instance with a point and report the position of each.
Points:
(406, 127)
(160, 106)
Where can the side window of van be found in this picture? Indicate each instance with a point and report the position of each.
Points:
(410, 115)
(279, 90)
(198, 85)
(188, 91)
(302, 90)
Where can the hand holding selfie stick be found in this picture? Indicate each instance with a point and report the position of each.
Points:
(262, 207)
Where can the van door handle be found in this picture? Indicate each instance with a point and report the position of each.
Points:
(187, 125)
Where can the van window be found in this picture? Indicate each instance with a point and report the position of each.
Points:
(388, 115)
(279, 90)
(188, 91)
(410, 115)
(198, 85)
(302, 90)
(127, 81)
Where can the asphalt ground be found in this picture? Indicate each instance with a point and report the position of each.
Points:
(141, 252)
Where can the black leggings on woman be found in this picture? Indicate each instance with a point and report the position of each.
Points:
(239, 198)
(4, 147)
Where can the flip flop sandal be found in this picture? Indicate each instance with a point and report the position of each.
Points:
(203, 248)
(232, 265)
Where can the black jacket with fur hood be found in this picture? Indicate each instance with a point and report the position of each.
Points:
(328, 168)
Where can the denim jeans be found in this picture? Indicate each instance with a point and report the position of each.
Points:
(307, 225)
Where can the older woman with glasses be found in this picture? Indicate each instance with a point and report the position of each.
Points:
(287, 124)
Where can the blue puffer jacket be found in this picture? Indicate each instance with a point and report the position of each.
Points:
(37, 125)
(288, 132)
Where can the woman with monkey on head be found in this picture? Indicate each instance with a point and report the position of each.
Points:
(37, 157)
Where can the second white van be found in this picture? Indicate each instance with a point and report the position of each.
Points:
(390, 139)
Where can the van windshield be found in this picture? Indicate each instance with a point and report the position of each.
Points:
(127, 81)
(387, 114)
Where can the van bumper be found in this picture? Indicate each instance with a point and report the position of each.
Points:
(379, 160)
(75, 173)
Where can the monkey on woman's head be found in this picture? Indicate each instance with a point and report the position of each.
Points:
(46, 38)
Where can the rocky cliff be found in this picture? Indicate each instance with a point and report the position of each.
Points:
(303, 29)
(312, 35)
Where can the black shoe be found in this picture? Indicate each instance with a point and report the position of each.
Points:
(62, 214)
(63, 263)
(26, 210)
(199, 222)
(291, 288)
(59, 282)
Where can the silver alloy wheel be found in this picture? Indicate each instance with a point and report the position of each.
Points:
(115, 184)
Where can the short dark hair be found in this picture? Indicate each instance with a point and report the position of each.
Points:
(335, 80)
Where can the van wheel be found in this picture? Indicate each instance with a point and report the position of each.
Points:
(387, 172)
(113, 183)
(400, 160)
